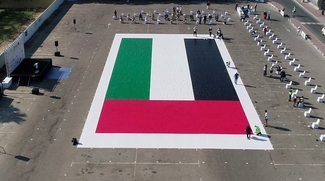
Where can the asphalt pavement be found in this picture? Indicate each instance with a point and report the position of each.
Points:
(36, 130)
(311, 23)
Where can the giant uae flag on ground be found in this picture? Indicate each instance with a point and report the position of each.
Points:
(170, 85)
(169, 91)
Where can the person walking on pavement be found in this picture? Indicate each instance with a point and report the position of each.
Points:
(255, 7)
(236, 6)
(248, 131)
(298, 31)
(210, 31)
(195, 31)
(271, 71)
(236, 76)
(115, 14)
(257, 130)
(293, 11)
(294, 101)
(290, 94)
(265, 70)
(282, 75)
(266, 118)
(264, 30)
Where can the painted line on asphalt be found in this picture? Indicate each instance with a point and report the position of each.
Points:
(285, 122)
(8, 132)
(135, 163)
(306, 149)
(286, 28)
(291, 134)
(311, 23)
(302, 164)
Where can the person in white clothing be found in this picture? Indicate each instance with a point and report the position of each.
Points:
(298, 30)
(266, 117)
(195, 31)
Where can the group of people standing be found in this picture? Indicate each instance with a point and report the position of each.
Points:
(297, 101)
(200, 17)
(278, 71)
(267, 15)
(218, 35)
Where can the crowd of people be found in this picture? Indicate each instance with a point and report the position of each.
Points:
(177, 14)
(278, 71)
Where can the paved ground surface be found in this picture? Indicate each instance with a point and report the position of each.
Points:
(308, 18)
(307, 14)
(311, 38)
(36, 130)
(312, 9)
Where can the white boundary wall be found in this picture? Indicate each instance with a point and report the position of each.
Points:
(14, 55)
(30, 31)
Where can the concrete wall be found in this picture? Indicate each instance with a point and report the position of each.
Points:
(29, 32)
(25, 3)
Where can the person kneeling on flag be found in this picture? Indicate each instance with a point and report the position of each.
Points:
(228, 64)
(257, 130)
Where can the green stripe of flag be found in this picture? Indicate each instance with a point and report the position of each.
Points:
(131, 74)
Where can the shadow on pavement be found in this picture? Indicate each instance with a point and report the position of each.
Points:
(279, 128)
(18, 157)
(22, 158)
(257, 138)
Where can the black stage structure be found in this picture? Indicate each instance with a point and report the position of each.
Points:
(31, 70)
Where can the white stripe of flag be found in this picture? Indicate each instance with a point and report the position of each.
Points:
(170, 74)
